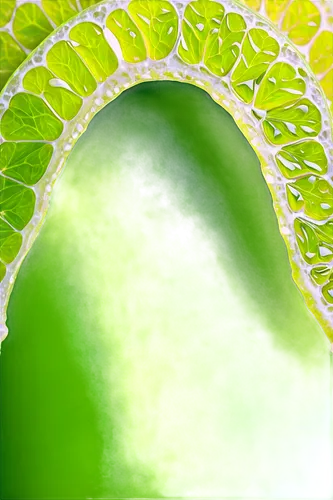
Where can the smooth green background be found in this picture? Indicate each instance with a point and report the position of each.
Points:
(157, 344)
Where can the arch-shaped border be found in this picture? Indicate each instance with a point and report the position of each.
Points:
(172, 67)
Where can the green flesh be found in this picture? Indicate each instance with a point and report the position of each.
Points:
(157, 341)
(278, 92)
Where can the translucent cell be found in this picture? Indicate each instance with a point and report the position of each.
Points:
(321, 274)
(11, 56)
(10, 242)
(200, 19)
(302, 158)
(253, 4)
(158, 22)
(25, 161)
(301, 21)
(17, 203)
(315, 241)
(91, 45)
(321, 52)
(275, 9)
(313, 195)
(280, 86)
(60, 10)
(223, 46)
(67, 65)
(6, 11)
(63, 101)
(298, 121)
(30, 25)
(328, 292)
(258, 51)
(29, 118)
(128, 36)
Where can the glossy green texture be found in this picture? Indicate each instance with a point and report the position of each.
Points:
(30, 25)
(6, 11)
(11, 56)
(64, 102)
(63, 61)
(158, 22)
(321, 52)
(298, 121)
(322, 274)
(97, 54)
(200, 19)
(313, 195)
(158, 345)
(301, 21)
(17, 203)
(129, 37)
(10, 242)
(258, 51)
(60, 10)
(210, 37)
(280, 86)
(25, 161)
(223, 46)
(302, 158)
(315, 240)
(88, 3)
(29, 118)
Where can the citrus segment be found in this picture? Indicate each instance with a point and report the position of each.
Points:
(298, 121)
(200, 19)
(6, 11)
(280, 86)
(17, 203)
(321, 52)
(31, 25)
(302, 158)
(275, 9)
(253, 4)
(67, 65)
(60, 10)
(158, 22)
(10, 242)
(11, 56)
(29, 118)
(301, 21)
(128, 36)
(91, 45)
(64, 102)
(258, 51)
(313, 195)
(223, 46)
(322, 274)
(25, 162)
(315, 240)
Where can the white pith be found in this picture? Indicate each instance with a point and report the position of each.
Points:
(173, 68)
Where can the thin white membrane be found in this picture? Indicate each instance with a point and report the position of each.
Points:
(173, 68)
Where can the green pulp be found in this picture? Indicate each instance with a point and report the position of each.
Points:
(157, 345)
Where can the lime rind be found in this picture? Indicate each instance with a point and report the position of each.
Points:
(251, 118)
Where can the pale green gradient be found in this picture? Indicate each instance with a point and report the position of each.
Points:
(162, 264)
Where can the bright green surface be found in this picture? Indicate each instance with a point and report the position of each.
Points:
(158, 346)
(281, 96)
